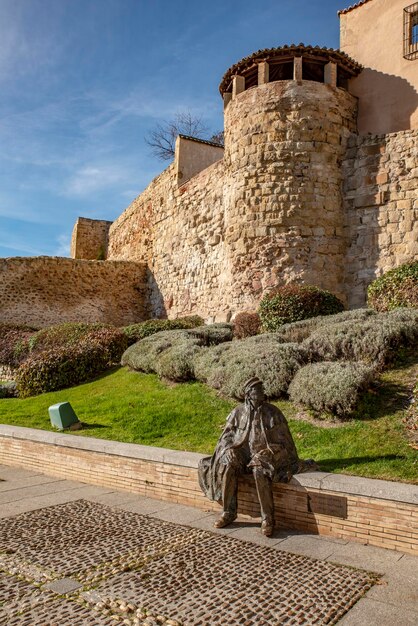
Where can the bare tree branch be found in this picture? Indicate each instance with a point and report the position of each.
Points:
(162, 139)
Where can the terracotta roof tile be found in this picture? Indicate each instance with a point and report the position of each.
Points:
(268, 54)
(198, 140)
(353, 6)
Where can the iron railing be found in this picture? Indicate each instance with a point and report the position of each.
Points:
(410, 32)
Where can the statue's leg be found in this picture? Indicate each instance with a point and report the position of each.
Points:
(229, 497)
(265, 497)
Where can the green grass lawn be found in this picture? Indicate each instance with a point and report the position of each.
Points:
(139, 408)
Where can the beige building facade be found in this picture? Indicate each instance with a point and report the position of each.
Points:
(382, 35)
(317, 184)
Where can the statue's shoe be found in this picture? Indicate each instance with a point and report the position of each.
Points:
(225, 520)
(267, 527)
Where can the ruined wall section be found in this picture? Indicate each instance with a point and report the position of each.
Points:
(89, 239)
(381, 205)
(284, 142)
(42, 291)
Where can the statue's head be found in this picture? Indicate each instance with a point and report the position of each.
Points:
(254, 392)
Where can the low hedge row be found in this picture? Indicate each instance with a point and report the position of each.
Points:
(71, 363)
(324, 363)
(377, 339)
(170, 354)
(136, 332)
(228, 366)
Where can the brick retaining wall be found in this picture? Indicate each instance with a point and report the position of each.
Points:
(375, 512)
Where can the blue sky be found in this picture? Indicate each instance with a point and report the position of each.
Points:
(83, 81)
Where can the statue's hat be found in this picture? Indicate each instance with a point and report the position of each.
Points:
(252, 382)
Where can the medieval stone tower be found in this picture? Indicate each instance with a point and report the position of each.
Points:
(287, 122)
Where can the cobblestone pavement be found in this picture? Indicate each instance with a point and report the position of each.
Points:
(84, 562)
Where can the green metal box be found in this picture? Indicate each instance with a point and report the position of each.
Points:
(62, 415)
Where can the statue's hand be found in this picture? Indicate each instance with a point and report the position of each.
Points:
(230, 457)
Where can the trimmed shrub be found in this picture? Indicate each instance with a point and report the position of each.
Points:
(136, 332)
(170, 353)
(176, 363)
(14, 346)
(60, 335)
(374, 340)
(299, 331)
(291, 303)
(144, 354)
(246, 325)
(70, 364)
(330, 387)
(396, 288)
(213, 334)
(228, 366)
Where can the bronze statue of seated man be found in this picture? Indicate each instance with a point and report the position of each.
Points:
(256, 439)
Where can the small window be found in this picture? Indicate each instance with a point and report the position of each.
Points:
(414, 34)
(410, 32)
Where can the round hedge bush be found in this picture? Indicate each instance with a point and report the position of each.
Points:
(246, 325)
(291, 303)
(330, 387)
(396, 288)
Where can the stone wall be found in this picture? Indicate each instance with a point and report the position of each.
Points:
(269, 213)
(381, 204)
(89, 239)
(42, 291)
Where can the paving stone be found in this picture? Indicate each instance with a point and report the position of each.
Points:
(51, 486)
(147, 506)
(221, 580)
(15, 473)
(114, 498)
(207, 523)
(180, 513)
(366, 557)
(63, 585)
(399, 585)
(369, 612)
(12, 483)
(251, 532)
(310, 546)
(131, 561)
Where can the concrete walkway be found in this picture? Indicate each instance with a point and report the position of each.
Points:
(393, 600)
